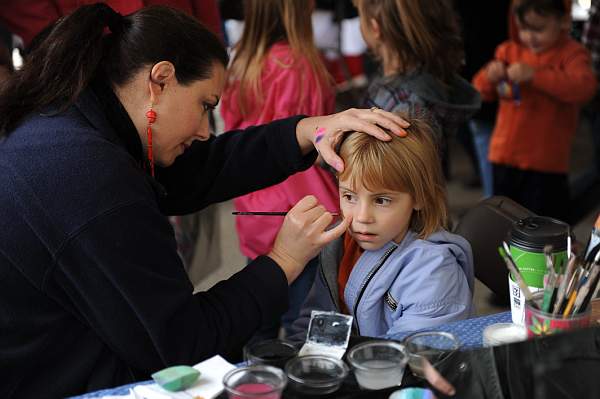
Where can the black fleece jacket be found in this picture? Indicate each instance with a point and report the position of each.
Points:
(92, 291)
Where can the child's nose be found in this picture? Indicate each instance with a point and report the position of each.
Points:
(364, 214)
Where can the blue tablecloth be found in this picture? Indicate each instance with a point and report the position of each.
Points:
(469, 332)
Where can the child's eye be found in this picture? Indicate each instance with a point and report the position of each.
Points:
(383, 201)
(349, 198)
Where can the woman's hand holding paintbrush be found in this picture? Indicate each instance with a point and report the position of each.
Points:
(305, 230)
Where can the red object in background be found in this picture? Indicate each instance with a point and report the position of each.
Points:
(27, 18)
(340, 67)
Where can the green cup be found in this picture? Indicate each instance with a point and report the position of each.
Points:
(527, 240)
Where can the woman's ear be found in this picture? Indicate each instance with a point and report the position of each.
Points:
(161, 74)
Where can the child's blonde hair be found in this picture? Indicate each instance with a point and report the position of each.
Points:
(422, 33)
(408, 164)
(266, 22)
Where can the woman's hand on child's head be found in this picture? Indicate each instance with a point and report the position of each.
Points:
(303, 233)
(496, 71)
(325, 132)
(520, 72)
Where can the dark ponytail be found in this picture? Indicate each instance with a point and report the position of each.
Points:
(79, 47)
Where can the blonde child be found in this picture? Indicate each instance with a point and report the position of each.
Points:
(277, 72)
(419, 47)
(396, 269)
(541, 78)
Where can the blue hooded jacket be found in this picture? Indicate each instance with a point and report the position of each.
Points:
(401, 287)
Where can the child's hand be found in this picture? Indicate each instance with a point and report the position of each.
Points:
(496, 71)
(303, 233)
(519, 72)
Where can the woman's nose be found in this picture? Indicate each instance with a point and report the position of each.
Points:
(203, 132)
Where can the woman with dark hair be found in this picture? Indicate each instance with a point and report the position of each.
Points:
(103, 132)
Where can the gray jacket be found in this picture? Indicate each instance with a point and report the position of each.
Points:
(419, 94)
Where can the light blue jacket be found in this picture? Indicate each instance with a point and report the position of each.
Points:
(400, 287)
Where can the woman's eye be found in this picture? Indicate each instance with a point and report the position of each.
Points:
(208, 107)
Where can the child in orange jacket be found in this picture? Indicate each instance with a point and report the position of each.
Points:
(541, 79)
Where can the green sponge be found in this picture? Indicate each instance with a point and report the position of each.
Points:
(176, 378)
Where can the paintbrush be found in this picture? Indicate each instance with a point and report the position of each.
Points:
(585, 274)
(587, 289)
(562, 287)
(515, 272)
(550, 281)
(593, 244)
(571, 292)
(268, 213)
(593, 284)
(571, 288)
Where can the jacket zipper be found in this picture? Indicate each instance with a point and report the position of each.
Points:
(367, 280)
(328, 288)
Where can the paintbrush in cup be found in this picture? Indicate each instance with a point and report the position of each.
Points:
(517, 275)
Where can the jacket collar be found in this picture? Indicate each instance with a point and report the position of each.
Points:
(102, 108)
(104, 111)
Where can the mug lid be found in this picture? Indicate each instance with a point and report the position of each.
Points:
(537, 231)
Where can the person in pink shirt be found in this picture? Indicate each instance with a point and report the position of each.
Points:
(277, 72)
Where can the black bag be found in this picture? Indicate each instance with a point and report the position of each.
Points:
(484, 227)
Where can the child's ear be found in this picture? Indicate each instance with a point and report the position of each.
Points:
(375, 28)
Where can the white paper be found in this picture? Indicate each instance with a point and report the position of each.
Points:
(208, 385)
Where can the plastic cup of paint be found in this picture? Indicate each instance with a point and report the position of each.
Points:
(412, 393)
(316, 374)
(272, 352)
(255, 382)
(378, 364)
(435, 346)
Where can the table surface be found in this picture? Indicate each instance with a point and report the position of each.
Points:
(469, 332)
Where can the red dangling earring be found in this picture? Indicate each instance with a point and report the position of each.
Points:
(151, 115)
